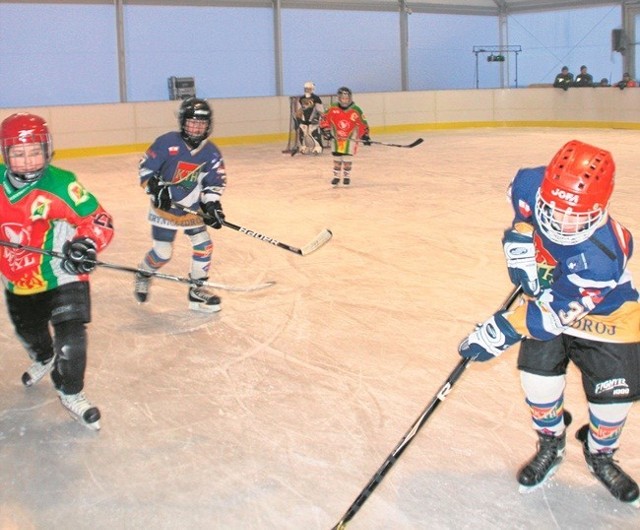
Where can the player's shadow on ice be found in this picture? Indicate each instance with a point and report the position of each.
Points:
(154, 321)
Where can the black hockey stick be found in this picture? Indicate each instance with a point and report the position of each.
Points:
(408, 146)
(321, 239)
(411, 433)
(162, 276)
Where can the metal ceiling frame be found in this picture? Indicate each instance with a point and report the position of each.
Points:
(500, 8)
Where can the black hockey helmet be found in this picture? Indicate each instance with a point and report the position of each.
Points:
(195, 109)
(345, 97)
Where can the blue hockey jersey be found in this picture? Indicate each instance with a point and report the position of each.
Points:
(587, 290)
(195, 176)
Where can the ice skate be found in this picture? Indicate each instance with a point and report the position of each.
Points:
(37, 371)
(81, 409)
(346, 181)
(605, 469)
(335, 181)
(549, 455)
(201, 299)
(141, 289)
(302, 149)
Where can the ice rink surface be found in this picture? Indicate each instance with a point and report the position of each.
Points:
(276, 412)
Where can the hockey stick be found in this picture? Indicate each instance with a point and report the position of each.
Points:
(321, 239)
(413, 431)
(408, 146)
(162, 276)
(372, 142)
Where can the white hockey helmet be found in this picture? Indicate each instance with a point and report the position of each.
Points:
(309, 88)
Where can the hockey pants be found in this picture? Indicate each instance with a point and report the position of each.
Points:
(66, 309)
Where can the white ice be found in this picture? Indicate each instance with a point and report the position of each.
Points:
(276, 412)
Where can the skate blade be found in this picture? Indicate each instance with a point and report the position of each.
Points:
(94, 426)
(195, 306)
(528, 489)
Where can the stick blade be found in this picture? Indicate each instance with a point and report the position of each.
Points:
(240, 288)
(417, 142)
(320, 240)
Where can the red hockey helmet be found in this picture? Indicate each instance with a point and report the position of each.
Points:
(21, 129)
(575, 192)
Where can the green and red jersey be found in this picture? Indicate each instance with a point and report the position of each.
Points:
(45, 214)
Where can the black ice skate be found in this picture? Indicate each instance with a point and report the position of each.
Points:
(201, 299)
(81, 409)
(37, 371)
(141, 288)
(544, 463)
(604, 468)
(346, 181)
(335, 181)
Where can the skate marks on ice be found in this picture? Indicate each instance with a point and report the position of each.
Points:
(275, 412)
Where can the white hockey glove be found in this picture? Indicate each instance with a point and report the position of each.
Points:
(489, 339)
(521, 261)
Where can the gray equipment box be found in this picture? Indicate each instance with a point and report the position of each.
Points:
(181, 87)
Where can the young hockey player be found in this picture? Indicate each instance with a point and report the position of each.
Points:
(187, 169)
(344, 124)
(580, 305)
(45, 207)
(309, 109)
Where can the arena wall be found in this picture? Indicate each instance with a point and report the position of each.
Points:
(90, 130)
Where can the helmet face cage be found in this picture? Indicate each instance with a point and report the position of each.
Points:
(573, 197)
(24, 129)
(345, 96)
(564, 226)
(195, 109)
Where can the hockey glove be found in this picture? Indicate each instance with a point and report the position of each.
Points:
(79, 256)
(521, 261)
(326, 134)
(160, 193)
(366, 140)
(215, 215)
(489, 339)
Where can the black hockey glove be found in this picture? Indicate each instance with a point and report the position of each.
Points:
(366, 140)
(214, 212)
(326, 134)
(79, 256)
(160, 193)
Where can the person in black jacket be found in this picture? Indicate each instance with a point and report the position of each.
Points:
(583, 78)
(564, 79)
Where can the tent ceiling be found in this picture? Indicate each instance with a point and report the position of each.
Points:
(478, 7)
(472, 7)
